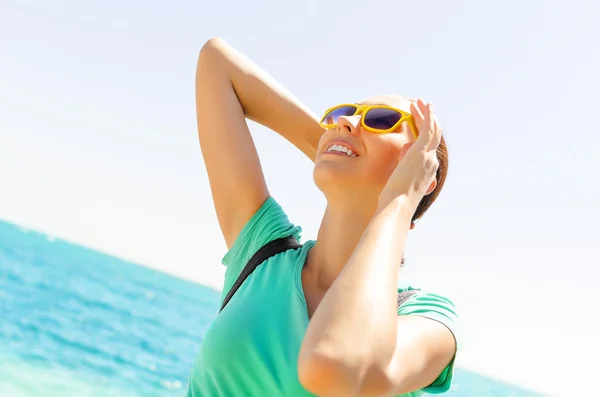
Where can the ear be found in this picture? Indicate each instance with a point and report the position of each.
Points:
(412, 225)
(431, 187)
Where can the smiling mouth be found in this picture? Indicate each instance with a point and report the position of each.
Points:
(340, 150)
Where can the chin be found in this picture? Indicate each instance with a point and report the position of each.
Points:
(338, 174)
(338, 178)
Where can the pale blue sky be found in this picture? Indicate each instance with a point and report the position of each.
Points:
(98, 145)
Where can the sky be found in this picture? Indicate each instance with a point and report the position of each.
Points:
(98, 145)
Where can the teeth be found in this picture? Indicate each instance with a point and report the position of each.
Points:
(342, 149)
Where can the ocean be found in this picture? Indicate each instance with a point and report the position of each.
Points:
(77, 322)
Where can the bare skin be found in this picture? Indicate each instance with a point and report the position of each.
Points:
(351, 274)
(350, 207)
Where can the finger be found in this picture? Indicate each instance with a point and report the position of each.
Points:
(437, 131)
(427, 127)
(418, 118)
(422, 105)
(416, 113)
(420, 111)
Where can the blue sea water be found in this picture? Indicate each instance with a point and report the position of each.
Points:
(76, 322)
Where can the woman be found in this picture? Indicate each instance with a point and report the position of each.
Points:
(321, 319)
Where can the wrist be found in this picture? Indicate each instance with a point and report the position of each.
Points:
(401, 200)
(402, 205)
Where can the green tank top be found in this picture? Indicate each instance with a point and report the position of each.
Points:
(252, 347)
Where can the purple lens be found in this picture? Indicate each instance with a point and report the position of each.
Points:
(332, 117)
(381, 119)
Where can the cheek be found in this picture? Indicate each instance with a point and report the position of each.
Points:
(381, 164)
(324, 138)
(385, 156)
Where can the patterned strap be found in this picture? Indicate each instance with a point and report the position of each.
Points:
(406, 295)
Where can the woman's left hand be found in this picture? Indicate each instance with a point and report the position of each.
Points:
(414, 177)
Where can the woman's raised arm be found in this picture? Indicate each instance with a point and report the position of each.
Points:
(229, 89)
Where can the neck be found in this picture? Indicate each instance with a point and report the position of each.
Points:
(342, 227)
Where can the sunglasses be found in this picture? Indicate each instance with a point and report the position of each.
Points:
(375, 118)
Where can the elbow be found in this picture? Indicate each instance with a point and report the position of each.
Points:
(211, 44)
(210, 50)
(211, 69)
(327, 376)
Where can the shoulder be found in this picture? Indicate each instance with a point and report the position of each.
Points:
(268, 223)
(414, 301)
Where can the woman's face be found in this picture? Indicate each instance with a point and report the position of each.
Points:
(374, 155)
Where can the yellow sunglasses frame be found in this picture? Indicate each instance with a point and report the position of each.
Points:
(362, 109)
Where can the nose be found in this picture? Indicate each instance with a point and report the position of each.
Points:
(349, 124)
